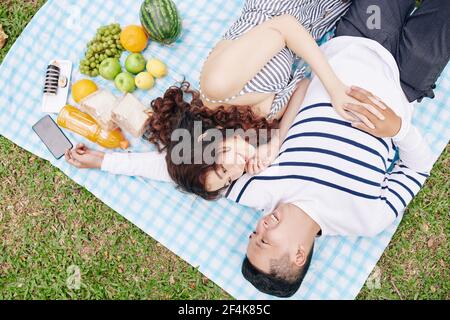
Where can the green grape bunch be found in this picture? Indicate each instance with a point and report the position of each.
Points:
(106, 44)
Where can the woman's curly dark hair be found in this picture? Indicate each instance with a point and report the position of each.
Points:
(172, 112)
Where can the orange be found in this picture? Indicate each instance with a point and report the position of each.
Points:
(82, 89)
(134, 39)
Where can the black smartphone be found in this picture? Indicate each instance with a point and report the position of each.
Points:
(52, 136)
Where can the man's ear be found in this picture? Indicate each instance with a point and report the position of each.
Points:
(300, 257)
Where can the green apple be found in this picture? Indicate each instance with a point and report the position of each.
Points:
(125, 82)
(135, 63)
(110, 68)
(145, 81)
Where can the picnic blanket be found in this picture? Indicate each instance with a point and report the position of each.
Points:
(209, 235)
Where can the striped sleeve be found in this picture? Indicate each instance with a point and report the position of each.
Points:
(261, 197)
(410, 174)
(414, 150)
(401, 186)
(247, 21)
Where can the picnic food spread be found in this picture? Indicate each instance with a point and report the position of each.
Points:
(101, 116)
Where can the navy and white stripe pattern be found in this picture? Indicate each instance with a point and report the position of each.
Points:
(278, 75)
(327, 161)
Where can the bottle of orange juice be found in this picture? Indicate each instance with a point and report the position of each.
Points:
(79, 122)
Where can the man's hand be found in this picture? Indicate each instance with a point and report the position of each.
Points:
(386, 123)
(340, 99)
(84, 158)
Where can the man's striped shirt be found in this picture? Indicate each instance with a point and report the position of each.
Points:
(335, 173)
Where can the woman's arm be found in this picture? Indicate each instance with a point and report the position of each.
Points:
(266, 154)
(150, 165)
(292, 110)
(225, 74)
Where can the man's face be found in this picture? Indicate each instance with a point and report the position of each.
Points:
(276, 235)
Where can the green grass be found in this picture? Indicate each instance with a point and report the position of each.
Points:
(48, 223)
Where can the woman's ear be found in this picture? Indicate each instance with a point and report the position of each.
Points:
(300, 257)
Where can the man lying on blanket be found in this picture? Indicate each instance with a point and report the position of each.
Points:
(332, 177)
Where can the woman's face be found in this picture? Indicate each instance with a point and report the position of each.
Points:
(232, 155)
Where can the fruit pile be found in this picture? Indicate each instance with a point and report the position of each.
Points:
(99, 111)
(106, 44)
(140, 73)
(103, 58)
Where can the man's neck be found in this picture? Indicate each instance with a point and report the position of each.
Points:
(309, 223)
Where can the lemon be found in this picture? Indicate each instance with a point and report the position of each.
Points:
(157, 68)
(82, 89)
(145, 81)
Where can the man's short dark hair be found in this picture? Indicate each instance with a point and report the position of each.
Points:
(284, 279)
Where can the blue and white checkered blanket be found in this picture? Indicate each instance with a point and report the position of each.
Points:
(208, 235)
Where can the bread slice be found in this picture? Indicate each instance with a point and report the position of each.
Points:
(99, 105)
(131, 115)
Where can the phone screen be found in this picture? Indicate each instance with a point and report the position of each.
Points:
(52, 136)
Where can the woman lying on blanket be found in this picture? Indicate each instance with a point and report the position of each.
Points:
(264, 75)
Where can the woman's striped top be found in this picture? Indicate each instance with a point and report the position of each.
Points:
(280, 76)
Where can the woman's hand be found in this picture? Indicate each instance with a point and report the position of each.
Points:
(340, 98)
(84, 158)
(265, 156)
(386, 123)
